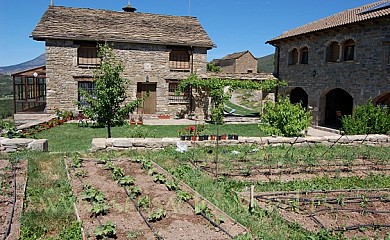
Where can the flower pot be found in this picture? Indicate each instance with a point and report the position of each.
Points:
(132, 123)
(230, 137)
(212, 137)
(140, 123)
(223, 137)
(205, 137)
(164, 117)
(235, 137)
(193, 138)
(188, 138)
(182, 138)
(200, 138)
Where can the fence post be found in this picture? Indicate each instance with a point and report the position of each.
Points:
(251, 201)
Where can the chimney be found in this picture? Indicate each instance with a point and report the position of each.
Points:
(129, 8)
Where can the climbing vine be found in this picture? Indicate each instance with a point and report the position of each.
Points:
(215, 89)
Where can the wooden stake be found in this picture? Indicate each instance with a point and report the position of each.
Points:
(251, 202)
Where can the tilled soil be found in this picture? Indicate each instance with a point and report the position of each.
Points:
(9, 211)
(180, 222)
(363, 213)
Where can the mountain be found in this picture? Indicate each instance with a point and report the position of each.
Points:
(36, 62)
(266, 64)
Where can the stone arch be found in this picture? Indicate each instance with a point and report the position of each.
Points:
(383, 99)
(337, 103)
(298, 95)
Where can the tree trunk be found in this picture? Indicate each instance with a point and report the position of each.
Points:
(109, 130)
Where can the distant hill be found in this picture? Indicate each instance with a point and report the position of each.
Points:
(36, 62)
(266, 64)
(5, 86)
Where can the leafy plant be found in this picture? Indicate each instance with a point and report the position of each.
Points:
(146, 164)
(98, 208)
(159, 178)
(117, 173)
(126, 181)
(143, 202)
(134, 192)
(76, 162)
(152, 171)
(157, 215)
(92, 194)
(106, 230)
(183, 196)
(284, 118)
(171, 185)
(109, 165)
(202, 208)
(82, 173)
(367, 119)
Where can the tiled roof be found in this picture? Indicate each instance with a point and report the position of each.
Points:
(104, 25)
(234, 55)
(339, 19)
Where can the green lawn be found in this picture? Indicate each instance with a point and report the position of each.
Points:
(71, 138)
(240, 110)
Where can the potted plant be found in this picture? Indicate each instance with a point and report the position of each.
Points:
(140, 120)
(132, 120)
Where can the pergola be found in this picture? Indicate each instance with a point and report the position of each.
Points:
(30, 90)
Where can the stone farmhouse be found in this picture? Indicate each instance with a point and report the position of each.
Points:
(156, 50)
(335, 63)
(240, 62)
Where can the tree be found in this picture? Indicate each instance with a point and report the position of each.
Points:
(282, 118)
(211, 67)
(105, 103)
(215, 89)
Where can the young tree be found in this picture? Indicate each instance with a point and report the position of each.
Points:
(105, 103)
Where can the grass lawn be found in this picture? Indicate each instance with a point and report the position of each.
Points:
(71, 138)
(240, 110)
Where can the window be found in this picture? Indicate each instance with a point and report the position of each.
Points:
(304, 55)
(179, 60)
(349, 49)
(333, 52)
(87, 86)
(293, 57)
(172, 88)
(87, 56)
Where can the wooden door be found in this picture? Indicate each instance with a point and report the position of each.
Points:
(149, 104)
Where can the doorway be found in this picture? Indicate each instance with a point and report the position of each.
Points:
(298, 95)
(149, 104)
(338, 104)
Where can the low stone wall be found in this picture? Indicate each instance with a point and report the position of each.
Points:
(18, 144)
(159, 143)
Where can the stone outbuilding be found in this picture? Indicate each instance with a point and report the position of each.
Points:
(240, 62)
(336, 63)
(157, 51)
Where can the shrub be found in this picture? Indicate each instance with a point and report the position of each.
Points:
(367, 119)
(284, 118)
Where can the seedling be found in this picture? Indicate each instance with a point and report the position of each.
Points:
(134, 192)
(105, 230)
(144, 202)
(109, 165)
(76, 162)
(103, 160)
(99, 208)
(126, 181)
(159, 178)
(92, 194)
(157, 215)
(171, 185)
(117, 173)
(183, 196)
(82, 173)
(202, 207)
(146, 164)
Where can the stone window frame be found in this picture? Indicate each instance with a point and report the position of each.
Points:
(333, 52)
(179, 59)
(349, 50)
(293, 57)
(88, 85)
(87, 54)
(304, 55)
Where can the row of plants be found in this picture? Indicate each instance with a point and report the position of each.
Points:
(200, 133)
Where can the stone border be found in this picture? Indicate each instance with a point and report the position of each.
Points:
(19, 144)
(159, 143)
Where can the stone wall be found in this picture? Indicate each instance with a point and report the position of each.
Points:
(159, 143)
(246, 62)
(140, 62)
(367, 76)
(19, 144)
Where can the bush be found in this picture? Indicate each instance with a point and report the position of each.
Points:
(284, 118)
(367, 119)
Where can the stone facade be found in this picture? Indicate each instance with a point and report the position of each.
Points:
(242, 62)
(333, 88)
(142, 63)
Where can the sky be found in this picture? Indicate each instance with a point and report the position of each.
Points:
(233, 25)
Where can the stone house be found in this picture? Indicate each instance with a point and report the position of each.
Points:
(157, 51)
(335, 63)
(240, 62)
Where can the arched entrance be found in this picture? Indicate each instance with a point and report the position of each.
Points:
(298, 95)
(383, 100)
(338, 103)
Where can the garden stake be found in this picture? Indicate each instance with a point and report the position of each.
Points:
(251, 203)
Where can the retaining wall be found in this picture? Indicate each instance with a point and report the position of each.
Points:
(159, 143)
(18, 144)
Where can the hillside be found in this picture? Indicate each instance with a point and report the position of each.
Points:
(5, 85)
(266, 64)
(39, 61)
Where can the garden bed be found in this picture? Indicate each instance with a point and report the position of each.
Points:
(12, 183)
(180, 220)
(356, 213)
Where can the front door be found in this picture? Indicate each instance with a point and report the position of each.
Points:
(149, 104)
